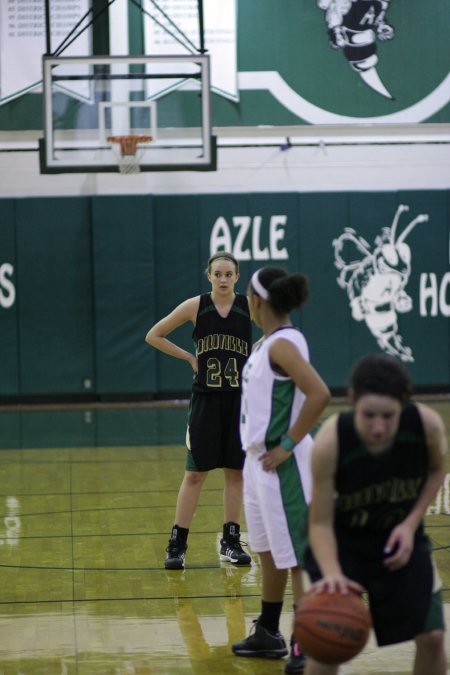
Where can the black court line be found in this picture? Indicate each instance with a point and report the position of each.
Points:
(106, 492)
(142, 599)
(148, 535)
(63, 462)
(210, 566)
(109, 509)
(109, 534)
(137, 599)
(106, 509)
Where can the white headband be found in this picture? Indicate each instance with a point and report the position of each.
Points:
(259, 288)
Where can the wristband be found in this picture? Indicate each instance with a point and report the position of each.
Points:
(287, 443)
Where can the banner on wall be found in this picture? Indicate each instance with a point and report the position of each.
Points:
(331, 62)
(352, 61)
(173, 28)
(23, 43)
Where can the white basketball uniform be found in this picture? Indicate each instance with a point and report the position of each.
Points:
(275, 502)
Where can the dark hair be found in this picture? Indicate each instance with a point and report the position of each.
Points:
(286, 291)
(218, 256)
(381, 374)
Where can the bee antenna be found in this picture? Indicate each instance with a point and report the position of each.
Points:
(422, 218)
(400, 210)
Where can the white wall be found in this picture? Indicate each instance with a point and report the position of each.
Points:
(318, 160)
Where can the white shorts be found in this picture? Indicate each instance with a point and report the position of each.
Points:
(276, 506)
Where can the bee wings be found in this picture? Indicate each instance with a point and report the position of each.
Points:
(351, 254)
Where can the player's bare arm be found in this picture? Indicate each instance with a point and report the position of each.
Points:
(437, 449)
(401, 539)
(321, 531)
(286, 358)
(323, 466)
(156, 336)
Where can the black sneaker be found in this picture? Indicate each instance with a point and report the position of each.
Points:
(296, 662)
(176, 554)
(232, 551)
(261, 642)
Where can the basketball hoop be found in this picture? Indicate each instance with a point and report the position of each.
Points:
(128, 153)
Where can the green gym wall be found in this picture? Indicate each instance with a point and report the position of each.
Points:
(82, 279)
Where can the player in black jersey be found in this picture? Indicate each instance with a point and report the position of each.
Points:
(222, 338)
(376, 470)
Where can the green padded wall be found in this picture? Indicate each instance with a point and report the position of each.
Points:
(55, 301)
(9, 351)
(86, 278)
(124, 287)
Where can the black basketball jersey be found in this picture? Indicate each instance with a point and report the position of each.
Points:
(375, 493)
(222, 345)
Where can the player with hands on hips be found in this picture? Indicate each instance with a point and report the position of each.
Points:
(282, 399)
(222, 338)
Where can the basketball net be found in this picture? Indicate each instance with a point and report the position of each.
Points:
(128, 152)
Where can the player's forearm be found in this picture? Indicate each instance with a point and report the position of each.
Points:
(429, 491)
(323, 544)
(167, 347)
(312, 408)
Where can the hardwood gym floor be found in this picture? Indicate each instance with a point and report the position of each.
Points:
(87, 497)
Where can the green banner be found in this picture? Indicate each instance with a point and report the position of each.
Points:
(302, 62)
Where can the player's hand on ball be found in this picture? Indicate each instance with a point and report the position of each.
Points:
(332, 627)
(334, 583)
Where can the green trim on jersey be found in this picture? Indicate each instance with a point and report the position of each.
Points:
(239, 310)
(280, 416)
(211, 308)
(205, 310)
(295, 506)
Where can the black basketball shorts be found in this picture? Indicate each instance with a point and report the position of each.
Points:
(212, 437)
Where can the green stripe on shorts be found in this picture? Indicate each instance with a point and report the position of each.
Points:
(295, 507)
(435, 617)
(190, 463)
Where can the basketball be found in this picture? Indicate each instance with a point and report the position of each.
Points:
(332, 627)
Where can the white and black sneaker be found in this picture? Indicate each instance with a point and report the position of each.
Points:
(231, 550)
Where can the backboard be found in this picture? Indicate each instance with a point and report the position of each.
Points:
(88, 100)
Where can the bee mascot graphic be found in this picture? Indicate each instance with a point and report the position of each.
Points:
(375, 280)
(354, 26)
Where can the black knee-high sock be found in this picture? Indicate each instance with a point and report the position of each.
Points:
(270, 615)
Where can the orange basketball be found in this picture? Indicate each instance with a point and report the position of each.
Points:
(332, 627)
